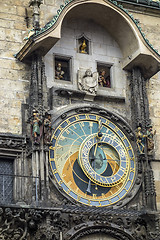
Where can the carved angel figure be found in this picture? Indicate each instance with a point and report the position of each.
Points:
(87, 81)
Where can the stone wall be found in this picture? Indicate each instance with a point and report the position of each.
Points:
(14, 75)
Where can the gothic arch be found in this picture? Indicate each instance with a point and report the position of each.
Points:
(90, 229)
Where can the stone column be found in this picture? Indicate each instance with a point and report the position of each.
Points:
(140, 117)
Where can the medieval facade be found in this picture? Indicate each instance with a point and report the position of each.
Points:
(80, 120)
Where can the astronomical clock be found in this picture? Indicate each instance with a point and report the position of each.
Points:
(92, 159)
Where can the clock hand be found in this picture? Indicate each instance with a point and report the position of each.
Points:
(99, 135)
(89, 182)
(92, 164)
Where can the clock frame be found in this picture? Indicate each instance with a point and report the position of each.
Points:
(76, 175)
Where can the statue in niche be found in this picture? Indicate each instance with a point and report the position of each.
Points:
(59, 74)
(47, 129)
(140, 140)
(83, 47)
(88, 82)
(150, 141)
(104, 80)
(36, 127)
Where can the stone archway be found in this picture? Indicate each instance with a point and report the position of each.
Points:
(98, 236)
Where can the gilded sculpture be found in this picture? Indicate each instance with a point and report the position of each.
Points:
(83, 47)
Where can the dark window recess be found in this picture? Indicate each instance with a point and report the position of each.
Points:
(104, 79)
(6, 181)
(62, 69)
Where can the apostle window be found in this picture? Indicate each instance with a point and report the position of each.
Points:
(104, 78)
(63, 68)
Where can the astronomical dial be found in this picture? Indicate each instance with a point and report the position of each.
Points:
(92, 160)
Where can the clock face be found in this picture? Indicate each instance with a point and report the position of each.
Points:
(92, 160)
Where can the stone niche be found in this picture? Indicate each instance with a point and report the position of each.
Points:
(101, 51)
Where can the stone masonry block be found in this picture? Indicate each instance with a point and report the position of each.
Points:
(13, 35)
(2, 34)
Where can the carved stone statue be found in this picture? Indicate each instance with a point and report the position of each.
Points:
(88, 81)
(59, 74)
(47, 129)
(103, 80)
(140, 140)
(150, 141)
(35, 124)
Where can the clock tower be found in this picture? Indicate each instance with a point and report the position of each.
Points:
(89, 142)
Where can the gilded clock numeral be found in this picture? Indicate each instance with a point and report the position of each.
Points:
(100, 203)
(77, 117)
(87, 116)
(52, 148)
(109, 201)
(60, 182)
(116, 129)
(60, 128)
(54, 171)
(78, 198)
(67, 131)
(113, 178)
(107, 130)
(68, 191)
(68, 121)
(94, 195)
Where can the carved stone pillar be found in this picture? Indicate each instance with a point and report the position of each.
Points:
(38, 88)
(139, 100)
(38, 106)
(140, 117)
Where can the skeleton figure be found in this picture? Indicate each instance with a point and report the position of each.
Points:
(88, 82)
(47, 129)
(150, 141)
